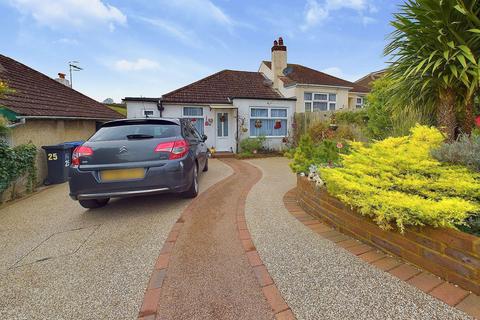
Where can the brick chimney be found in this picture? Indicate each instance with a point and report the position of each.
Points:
(61, 78)
(279, 61)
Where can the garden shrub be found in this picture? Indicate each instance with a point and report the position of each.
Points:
(359, 117)
(319, 131)
(398, 183)
(17, 162)
(249, 145)
(308, 153)
(465, 151)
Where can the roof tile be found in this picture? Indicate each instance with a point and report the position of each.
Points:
(298, 74)
(222, 86)
(36, 94)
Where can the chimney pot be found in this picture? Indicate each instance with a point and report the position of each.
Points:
(280, 41)
(275, 43)
(61, 75)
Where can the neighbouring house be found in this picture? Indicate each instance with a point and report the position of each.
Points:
(229, 106)
(314, 90)
(369, 78)
(45, 111)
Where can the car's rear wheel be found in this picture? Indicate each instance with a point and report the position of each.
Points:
(192, 192)
(205, 168)
(94, 203)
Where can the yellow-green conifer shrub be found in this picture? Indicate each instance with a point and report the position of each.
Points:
(398, 183)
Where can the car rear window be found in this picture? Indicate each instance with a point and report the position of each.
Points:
(121, 132)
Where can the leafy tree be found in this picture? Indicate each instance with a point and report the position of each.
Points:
(379, 124)
(435, 50)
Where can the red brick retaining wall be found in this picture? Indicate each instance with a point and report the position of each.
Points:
(448, 253)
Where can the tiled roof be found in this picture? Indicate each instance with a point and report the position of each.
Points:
(360, 89)
(37, 95)
(219, 87)
(369, 78)
(298, 74)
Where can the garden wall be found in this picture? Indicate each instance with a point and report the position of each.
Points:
(450, 254)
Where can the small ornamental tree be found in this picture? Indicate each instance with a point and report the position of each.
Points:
(435, 49)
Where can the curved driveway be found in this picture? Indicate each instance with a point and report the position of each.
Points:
(60, 261)
(318, 279)
(209, 276)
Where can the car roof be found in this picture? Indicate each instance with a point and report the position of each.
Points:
(126, 122)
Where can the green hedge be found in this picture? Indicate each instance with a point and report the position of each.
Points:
(15, 163)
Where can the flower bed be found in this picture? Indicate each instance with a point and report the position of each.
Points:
(446, 252)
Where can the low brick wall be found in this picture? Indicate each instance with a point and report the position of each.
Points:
(450, 254)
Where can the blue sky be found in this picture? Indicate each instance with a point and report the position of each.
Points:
(150, 47)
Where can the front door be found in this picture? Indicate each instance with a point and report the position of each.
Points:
(223, 121)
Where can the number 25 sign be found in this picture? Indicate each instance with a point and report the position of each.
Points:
(52, 156)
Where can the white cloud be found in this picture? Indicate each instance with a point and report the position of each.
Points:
(172, 29)
(77, 13)
(205, 9)
(135, 65)
(368, 20)
(316, 12)
(67, 41)
(350, 4)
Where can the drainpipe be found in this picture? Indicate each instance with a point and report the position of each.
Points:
(160, 107)
(236, 144)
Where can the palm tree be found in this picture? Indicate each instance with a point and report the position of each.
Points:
(434, 50)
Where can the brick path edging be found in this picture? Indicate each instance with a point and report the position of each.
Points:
(452, 295)
(149, 308)
(280, 308)
(448, 253)
(150, 305)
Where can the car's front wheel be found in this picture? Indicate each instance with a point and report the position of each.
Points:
(192, 192)
(94, 203)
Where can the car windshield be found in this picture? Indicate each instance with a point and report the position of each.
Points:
(137, 131)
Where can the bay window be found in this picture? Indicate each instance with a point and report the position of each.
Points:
(315, 102)
(268, 122)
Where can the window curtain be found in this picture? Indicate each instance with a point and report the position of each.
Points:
(259, 112)
(268, 128)
(193, 111)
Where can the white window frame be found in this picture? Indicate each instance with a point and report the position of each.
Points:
(361, 104)
(198, 118)
(268, 117)
(329, 102)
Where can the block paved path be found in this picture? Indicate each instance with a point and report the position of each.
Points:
(209, 275)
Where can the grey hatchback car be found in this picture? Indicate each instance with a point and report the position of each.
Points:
(138, 157)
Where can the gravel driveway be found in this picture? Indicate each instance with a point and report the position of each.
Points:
(59, 261)
(318, 279)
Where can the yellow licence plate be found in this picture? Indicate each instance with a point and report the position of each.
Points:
(122, 174)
